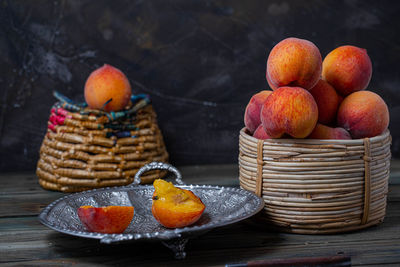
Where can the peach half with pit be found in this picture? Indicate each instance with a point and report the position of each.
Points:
(174, 207)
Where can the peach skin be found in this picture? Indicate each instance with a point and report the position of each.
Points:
(327, 101)
(324, 132)
(106, 220)
(294, 62)
(363, 114)
(253, 109)
(107, 88)
(259, 133)
(348, 69)
(174, 207)
(290, 110)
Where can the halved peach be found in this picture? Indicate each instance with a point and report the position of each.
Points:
(106, 220)
(174, 207)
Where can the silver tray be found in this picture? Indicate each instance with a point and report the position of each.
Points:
(224, 205)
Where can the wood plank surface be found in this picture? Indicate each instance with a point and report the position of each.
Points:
(24, 241)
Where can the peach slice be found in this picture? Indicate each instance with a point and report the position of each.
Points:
(174, 207)
(106, 220)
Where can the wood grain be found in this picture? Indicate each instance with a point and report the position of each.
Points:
(24, 241)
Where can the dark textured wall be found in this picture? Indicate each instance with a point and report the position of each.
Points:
(200, 61)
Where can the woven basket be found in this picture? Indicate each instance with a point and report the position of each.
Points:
(85, 149)
(317, 186)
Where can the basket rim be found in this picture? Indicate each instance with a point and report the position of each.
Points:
(243, 132)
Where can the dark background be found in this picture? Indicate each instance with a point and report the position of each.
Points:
(200, 61)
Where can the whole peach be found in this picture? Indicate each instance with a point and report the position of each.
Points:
(294, 62)
(260, 133)
(253, 109)
(363, 114)
(290, 110)
(348, 69)
(327, 101)
(324, 132)
(107, 84)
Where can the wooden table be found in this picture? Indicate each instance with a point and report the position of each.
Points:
(24, 241)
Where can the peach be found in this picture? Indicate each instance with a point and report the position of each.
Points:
(294, 62)
(363, 114)
(260, 133)
(253, 109)
(327, 101)
(106, 220)
(107, 88)
(348, 69)
(341, 98)
(174, 207)
(324, 132)
(290, 110)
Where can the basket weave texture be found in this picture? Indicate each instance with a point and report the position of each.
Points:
(85, 149)
(312, 186)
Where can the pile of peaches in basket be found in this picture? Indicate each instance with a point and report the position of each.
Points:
(316, 99)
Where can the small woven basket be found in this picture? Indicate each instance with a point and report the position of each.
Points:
(85, 149)
(314, 186)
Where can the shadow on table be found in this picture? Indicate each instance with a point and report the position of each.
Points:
(219, 246)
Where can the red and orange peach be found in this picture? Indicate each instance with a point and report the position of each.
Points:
(363, 114)
(290, 110)
(294, 62)
(107, 88)
(260, 133)
(253, 109)
(327, 101)
(348, 69)
(324, 132)
(107, 220)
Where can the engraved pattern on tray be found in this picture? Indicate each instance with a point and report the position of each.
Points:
(224, 205)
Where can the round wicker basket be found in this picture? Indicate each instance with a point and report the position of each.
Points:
(314, 186)
(85, 149)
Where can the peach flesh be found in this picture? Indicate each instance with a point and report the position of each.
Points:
(174, 207)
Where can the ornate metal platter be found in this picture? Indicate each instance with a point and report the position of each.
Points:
(224, 205)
